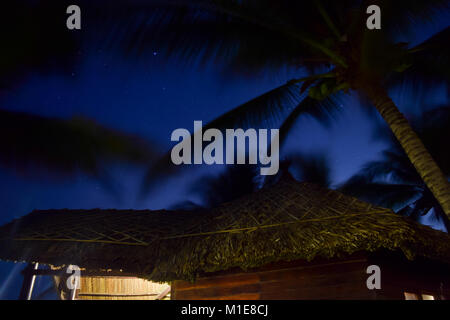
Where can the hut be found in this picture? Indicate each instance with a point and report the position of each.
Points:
(293, 240)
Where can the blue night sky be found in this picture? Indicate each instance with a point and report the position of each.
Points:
(151, 99)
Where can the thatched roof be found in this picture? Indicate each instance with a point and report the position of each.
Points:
(288, 221)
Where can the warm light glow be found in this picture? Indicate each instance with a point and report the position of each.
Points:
(411, 296)
(427, 297)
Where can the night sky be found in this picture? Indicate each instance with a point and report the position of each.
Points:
(150, 98)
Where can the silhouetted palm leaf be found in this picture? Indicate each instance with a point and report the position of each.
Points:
(314, 168)
(426, 65)
(267, 110)
(383, 194)
(324, 111)
(66, 146)
(239, 180)
(234, 182)
(393, 181)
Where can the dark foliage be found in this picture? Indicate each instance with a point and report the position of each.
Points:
(393, 181)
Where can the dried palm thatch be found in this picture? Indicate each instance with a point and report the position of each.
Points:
(288, 221)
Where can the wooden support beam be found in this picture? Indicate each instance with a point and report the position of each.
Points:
(73, 294)
(163, 294)
(29, 278)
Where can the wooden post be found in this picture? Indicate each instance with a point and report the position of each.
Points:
(163, 294)
(29, 277)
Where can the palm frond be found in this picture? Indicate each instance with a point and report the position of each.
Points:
(186, 205)
(29, 142)
(440, 215)
(426, 65)
(419, 208)
(267, 109)
(241, 35)
(262, 111)
(324, 111)
(235, 182)
(379, 193)
(313, 168)
(401, 17)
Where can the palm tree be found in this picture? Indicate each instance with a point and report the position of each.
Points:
(239, 180)
(327, 40)
(393, 181)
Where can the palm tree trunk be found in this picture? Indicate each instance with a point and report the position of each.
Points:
(425, 165)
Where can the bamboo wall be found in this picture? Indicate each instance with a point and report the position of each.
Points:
(116, 288)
